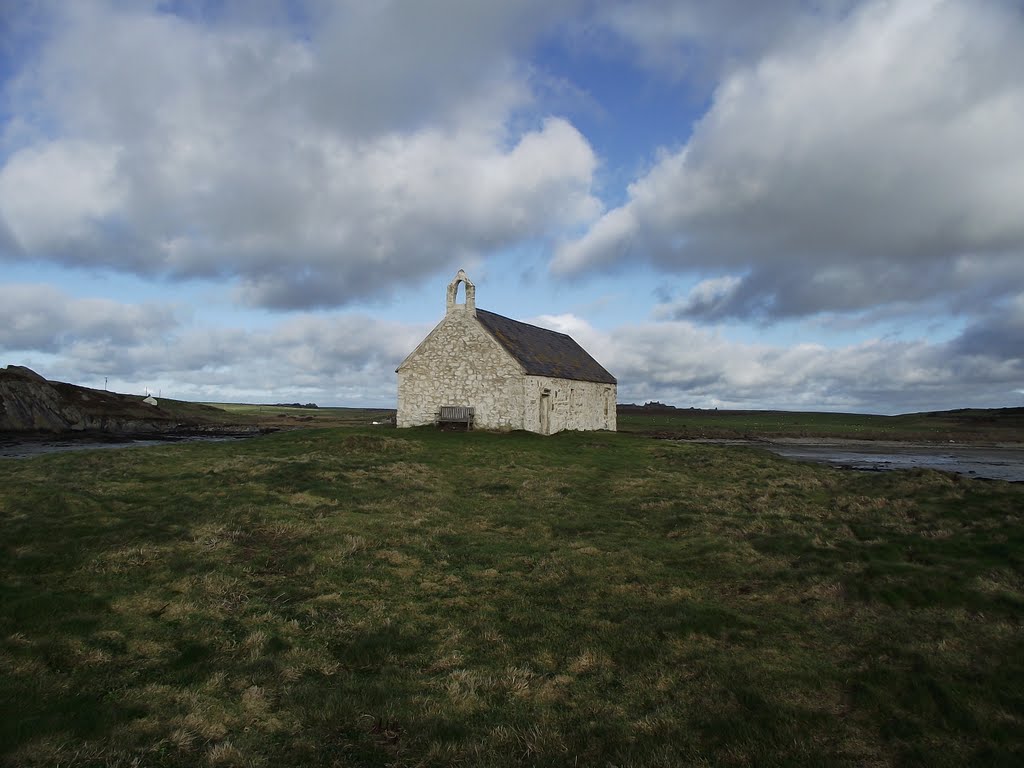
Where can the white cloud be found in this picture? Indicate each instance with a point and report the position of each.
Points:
(677, 362)
(859, 167)
(44, 318)
(59, 192)
(326, 358)
(411, 203)
(350, 358)
(303, 168)
(609, 242)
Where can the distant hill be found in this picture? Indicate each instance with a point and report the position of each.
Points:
(30, 403)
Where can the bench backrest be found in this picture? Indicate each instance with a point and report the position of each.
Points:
(456, 413)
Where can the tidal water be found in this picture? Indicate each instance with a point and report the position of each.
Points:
(989, 462)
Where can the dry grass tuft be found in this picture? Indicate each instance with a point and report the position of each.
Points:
(591, 662)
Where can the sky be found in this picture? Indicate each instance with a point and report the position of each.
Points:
(802, 204)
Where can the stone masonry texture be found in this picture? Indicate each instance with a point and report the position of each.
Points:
(460, 363)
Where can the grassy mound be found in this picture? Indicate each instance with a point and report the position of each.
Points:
(349, 597)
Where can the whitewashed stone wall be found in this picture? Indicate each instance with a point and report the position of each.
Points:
(580, 405)
(460, 363)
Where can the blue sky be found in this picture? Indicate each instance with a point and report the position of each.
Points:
(738, 204)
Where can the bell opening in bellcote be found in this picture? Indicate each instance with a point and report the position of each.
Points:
(453, 294)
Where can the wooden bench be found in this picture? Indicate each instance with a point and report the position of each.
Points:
(455, 414)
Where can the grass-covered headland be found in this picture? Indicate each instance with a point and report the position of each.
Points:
(351, 597)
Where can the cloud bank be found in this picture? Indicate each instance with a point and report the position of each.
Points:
(878, 162)
(301, 164)
(350, 358)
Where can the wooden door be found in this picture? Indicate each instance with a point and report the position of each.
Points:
(545, 413)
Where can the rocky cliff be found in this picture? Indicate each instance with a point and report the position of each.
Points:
(30, 403)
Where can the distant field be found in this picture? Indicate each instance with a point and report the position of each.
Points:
(370, 597)
(997, 425)
(283, 416)
(990, 426)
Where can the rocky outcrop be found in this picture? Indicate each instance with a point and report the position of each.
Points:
(30, 403)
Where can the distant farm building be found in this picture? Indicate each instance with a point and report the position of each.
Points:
(496, 373)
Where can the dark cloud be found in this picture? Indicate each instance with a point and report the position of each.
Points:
(998, 335)
(9, 248)
(856, 289)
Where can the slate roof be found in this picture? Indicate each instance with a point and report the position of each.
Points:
(542, 352)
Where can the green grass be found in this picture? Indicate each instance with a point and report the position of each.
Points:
(286, 417)
(993, 425)
(351, 597)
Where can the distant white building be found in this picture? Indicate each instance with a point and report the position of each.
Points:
(512, 374)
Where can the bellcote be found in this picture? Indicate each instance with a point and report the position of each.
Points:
(453, 293)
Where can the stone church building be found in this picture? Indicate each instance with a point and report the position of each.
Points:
(513, 375)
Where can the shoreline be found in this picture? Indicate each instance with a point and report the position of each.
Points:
(22, 445)
(156, 433)
(989, 461)
(855, 442)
